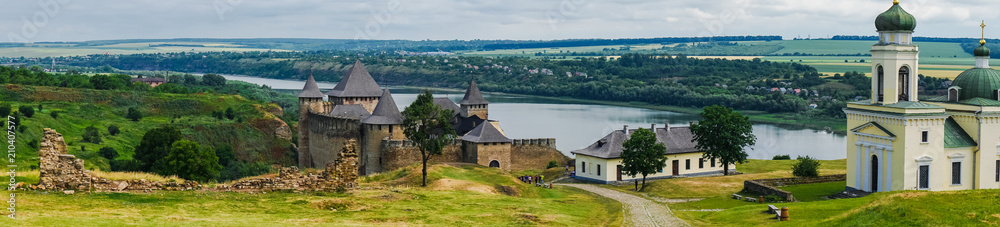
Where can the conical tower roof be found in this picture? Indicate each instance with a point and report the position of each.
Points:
(473, 96)
(486, 133)
(311, 90)
(356, 83)
(386, 112)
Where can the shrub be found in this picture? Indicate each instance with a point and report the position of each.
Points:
(230, 114)
(552, 164)
(190, 161)
(27, 111)
(5, 110)
(225, 153)
(806, 167)
(782, 157)
(54, 114)
(91, 135)
(155, 145)
(133, 114)
(33, 143)
(108, 153)
(113, 130)
(39, 107)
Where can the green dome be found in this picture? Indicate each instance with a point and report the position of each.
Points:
(982, 83)
(895, 19)
(982, 51)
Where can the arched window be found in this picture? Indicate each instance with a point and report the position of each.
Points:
(880, 79)
(904, 84)
(953, 94)
(494, 164)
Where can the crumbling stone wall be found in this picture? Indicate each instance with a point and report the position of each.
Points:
(327, 136)
(769, 186)
(341, 173)
(62, 171)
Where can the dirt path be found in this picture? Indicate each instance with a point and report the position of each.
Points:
(638, 211)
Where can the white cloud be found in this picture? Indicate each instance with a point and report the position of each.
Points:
(511, 19)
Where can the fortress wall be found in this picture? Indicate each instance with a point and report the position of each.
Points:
(327, 136)
(371, 145)
(397, 154)
(535, 154)
(488, 152)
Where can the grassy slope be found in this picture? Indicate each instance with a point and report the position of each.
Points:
(80, 108)
(395, 200)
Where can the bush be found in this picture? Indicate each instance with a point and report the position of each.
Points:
(130, 165)
(54, 114)
(552, 164)
(230, 114)
(155, 145)
(806, 167)
(190, 161)
(91, 135)
(225, 153)
(782, 157)
(39, 107)
(5, 110)
(113, 130)
(108, 153)
(133, 114)
(27, 111)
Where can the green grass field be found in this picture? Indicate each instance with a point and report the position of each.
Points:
(457, 196)
(124, 48)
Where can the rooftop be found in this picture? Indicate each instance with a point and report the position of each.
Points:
(386, 112)
(356, 82)
(486, 133)
(350, 111)
(473, 96)
(677, 140)
(311, 89)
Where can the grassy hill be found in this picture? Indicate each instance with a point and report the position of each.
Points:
(69, 111)
(457, 196)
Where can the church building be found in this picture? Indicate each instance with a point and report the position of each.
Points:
(899, 141)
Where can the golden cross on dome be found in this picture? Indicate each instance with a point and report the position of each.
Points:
(983, 26)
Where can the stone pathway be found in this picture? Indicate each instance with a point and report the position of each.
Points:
(638, 211)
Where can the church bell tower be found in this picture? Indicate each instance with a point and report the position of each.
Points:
(894, 58)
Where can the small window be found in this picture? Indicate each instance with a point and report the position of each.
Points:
(687, 164)
(390, 129)
(701, 163)
(956, 173)
(924, 182)
(713, 162)
(584, 169)
(924, 136)
(598, 169)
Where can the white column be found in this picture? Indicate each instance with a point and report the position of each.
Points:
(881, 169)
(888, 169)
(866, 168)
(858, 174)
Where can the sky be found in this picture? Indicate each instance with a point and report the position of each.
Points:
(81, 20)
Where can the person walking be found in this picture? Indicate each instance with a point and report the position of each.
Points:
(541, 179)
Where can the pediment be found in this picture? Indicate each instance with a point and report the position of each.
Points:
(872, 128)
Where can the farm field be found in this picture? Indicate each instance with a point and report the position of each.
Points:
(58, 50)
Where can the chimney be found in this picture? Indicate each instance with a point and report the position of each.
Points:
(625, 129)
(666, 127)
(652, 127)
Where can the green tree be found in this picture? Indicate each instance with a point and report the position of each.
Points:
(155, 145)
(230, 114)
(214, 80)
(428, 126)
(92, 135)
(26, 111)
(133, 114)
(722, 134)
(113, 130)
(190, 161)
(643, 155)
(226, 154)
(5, 110)
(190, 80)
(105, 82)
(806, 167)
(108, 153)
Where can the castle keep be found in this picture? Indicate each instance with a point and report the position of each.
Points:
(357, 109)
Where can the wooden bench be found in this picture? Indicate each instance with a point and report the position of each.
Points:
(774, 209)
(737, 196)
(750, 199)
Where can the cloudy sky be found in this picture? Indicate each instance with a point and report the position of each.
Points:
(78, 20)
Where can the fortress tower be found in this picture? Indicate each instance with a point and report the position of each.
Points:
(356, 87)
(310, 99)
(384, 123)
(473, 104)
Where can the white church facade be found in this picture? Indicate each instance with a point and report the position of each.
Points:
(899, 141)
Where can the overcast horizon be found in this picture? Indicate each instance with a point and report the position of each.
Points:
(83, 20)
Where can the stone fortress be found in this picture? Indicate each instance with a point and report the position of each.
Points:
(358, 109)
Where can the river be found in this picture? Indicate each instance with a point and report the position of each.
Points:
(577, 125)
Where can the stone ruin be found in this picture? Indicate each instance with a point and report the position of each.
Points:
(342, 173)
(62, 171)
